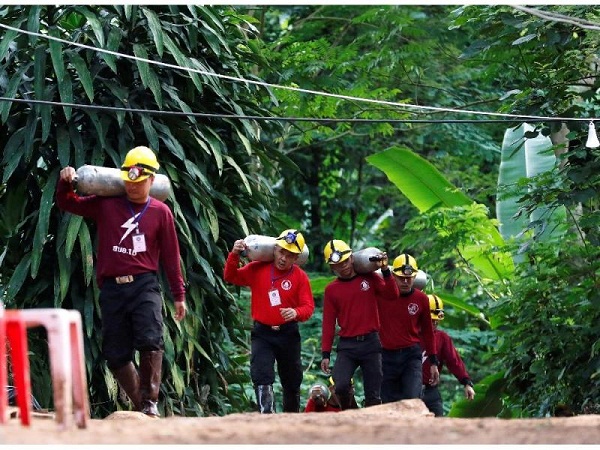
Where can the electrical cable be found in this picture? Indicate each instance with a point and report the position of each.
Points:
(520, 118)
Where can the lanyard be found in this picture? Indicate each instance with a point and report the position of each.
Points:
(136, 219)
(274, 278)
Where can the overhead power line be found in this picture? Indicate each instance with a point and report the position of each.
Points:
(506, 117)
(275, 118)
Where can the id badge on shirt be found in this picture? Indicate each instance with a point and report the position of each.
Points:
(274, 297)
(139, 243)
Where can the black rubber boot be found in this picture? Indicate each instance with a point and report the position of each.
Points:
(291, 401)
(265, 399)
(129, 380)
(150, 378)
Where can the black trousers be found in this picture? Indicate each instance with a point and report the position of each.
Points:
(364, 352)
(433, 400)
(269, 346)
(402, 374)
(131, 318)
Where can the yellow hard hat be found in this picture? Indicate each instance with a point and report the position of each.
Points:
(140, 163)
(436, 307)
(336, 251)
(405, 266)
(291, 240)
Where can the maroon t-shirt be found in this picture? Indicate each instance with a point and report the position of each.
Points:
(447, 355)
(405, 321)
(352, 304)
(119, 221)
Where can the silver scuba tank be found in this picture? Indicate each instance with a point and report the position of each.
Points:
(420, 280)
(260, 248)
(366, 260)
(107, 182)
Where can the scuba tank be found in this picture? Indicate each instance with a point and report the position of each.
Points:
(260, 248)
(366, 260)
(420, 280)
(107, 182)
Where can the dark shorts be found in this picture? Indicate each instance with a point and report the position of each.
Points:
(131, 318)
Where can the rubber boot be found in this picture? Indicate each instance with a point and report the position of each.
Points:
(291, 401)
(129, 380)
(265, 399)
(150, 378)
(345, 400)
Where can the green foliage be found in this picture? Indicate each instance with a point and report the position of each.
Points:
(549, 336)
(216, 168)
(381, 53)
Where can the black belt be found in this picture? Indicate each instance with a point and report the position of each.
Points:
(428, 387)
(126, 279)
(402, 349)
(274, 327)
(358, 338)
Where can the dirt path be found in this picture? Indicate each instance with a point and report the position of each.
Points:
(405, 422)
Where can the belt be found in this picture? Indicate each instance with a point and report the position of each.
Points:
(273, 327)
(126, 279)
(359, 338)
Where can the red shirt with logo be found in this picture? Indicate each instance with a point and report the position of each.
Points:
(293, 286)
(405, 321)
(118, 222)
(352, 303)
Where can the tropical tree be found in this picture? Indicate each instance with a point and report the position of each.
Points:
(384, 55)
(547, 326)
(83, 85)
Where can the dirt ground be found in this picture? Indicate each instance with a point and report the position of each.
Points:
(404, 422)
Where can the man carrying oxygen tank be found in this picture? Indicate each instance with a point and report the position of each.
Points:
(136, 234)
(281, 297)
(403, 324)
(351, 302)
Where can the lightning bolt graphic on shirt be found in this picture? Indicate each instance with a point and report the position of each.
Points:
(129, 226)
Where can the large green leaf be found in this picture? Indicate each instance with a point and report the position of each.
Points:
(487, 401)
(525, 154)
(416, 178)
(426, 188)
(155, 28)
(41, 229)
(84, 74)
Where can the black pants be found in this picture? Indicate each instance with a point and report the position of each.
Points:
(131, 318)
(433, 400)
(281, 346)
(402, 374)
(363, 352)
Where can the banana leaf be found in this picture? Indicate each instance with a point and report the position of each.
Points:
(525, 154)
(426, 188)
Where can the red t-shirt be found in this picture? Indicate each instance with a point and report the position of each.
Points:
(293, 286)
(446, 354)
(352, 303)
(404, 321)
(114, 217)
(311, 406)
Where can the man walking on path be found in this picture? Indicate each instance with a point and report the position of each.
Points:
(404, 323)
